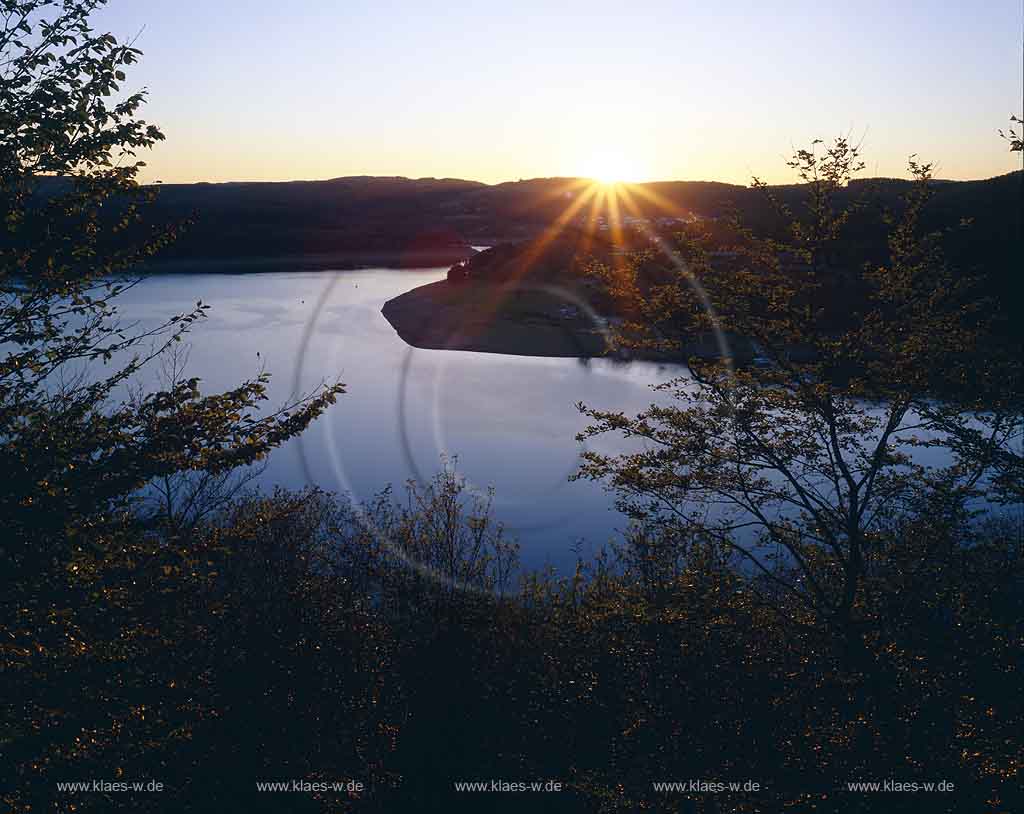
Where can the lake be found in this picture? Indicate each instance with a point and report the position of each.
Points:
(510, 420)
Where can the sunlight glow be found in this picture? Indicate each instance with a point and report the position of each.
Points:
(609, 168)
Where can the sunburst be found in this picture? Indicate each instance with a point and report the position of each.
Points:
(608, 197)
(610, 168)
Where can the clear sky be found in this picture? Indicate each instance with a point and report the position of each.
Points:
(496, 91)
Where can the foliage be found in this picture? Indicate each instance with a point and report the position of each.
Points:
(1014, 138)
(74, 448)
(795, 463)
(161, 621)
(283, 639)
(71, 453)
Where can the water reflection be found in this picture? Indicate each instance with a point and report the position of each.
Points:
(511, 421)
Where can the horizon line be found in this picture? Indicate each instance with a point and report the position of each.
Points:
(567, 178)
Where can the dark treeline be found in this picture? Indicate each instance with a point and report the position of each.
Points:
(372, 220)
(799, 603)
(366, 213)
(398, 221)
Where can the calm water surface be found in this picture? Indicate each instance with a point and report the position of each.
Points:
(511, 420)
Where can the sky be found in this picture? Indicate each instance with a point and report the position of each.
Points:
(498, 91)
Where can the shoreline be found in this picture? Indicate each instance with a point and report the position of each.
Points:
(326, 261)
(438, 316)
(490, 318)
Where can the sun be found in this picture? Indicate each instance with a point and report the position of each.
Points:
(608, 167)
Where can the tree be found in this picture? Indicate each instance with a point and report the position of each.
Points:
(1015, 139)
(802, 466)
(983, 418)
(81, 574)
(72, 227)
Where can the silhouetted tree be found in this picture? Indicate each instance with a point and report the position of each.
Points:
(73, 448)
(793, 464)
(72, 226)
